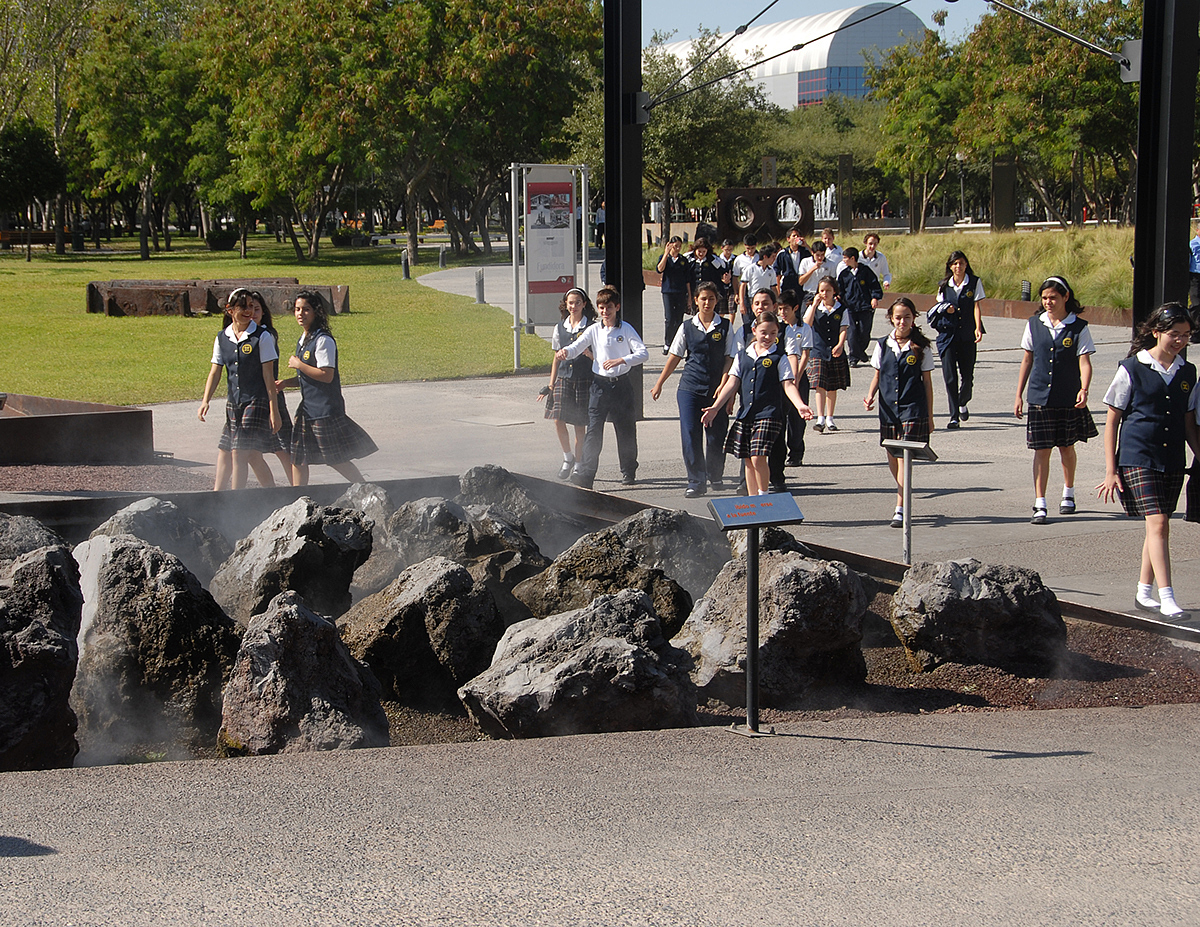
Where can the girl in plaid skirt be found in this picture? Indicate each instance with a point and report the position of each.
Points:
(904, 384)
(570, 381)
(763, 376)
(1058, 368)
(1151, 414)
(828, 368)
(322, 432)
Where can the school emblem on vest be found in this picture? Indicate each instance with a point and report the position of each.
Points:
(1068, 341)
(1184, 386)
(247, 348)
(620, 338)
(307, 355)
(911, 359)
(716, 336)
(767, 362)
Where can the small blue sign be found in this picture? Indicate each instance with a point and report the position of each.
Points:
(755, 511)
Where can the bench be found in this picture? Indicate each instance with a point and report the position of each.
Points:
(19, 237)
(439, 225)
(392, 237)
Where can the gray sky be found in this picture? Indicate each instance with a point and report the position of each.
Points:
(727, 15)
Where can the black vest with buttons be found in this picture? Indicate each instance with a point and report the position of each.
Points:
(580, 368)
(761, 388)
(1152, 429)
(948, 325)
(705, 357)
(826, 331)
(1055, 379)
(901, 386)
(243, 367)
(320, 400)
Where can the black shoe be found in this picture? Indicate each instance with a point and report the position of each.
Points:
(1039, 517)
(1066, 507)
(953, 423)
(628, 479)
(567, 467)
(742, 490)
(819, 428)
(778, 487)
(694, 493)
(794, 462)
(717, 485)
(897, 520)
(963, 413)
(578, 479)
(854, 362)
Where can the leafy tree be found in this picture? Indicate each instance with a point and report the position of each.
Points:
(29, 167)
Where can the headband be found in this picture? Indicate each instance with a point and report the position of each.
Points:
(575, 289)
(1066, 286)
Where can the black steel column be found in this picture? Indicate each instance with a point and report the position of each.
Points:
(1166, 123)
(623, 120)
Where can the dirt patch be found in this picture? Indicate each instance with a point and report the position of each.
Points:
(150, 478)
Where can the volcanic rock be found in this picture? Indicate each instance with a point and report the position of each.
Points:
(201, 548)
(384, 564)
(304, 547)
(600, 564)
(810, 628)
(554, 530)
(605, 667)
(426, 634)
(686, 549)
(964, 611)
(20, 534)
(295, 688)
(154, 650)
(40, 606)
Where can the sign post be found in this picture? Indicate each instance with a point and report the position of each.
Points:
(750, 513)
(918, 450)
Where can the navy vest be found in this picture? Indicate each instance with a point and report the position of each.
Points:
(1152, 430)
(580, 368)
(761, 389)
(963, 318)
(826, 331)
(705, 357)
(1055, 379)
(243, 367)
(320, 400)
(901, 386)
(858, 289)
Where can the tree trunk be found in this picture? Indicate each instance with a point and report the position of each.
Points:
(144, 227)
(412, 212)
(480, 206)
(664, 221)
(60, 223)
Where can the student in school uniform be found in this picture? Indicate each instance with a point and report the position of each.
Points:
(799, 340)
(570, 384)
(813, 269)
(832, 251)
(861, 293)
(828, 370)
(676, 288)
(789, 259)
(875, 259)
(616, 349)
(958, 321)
(741, 264)
(760, 276)
(1057, 365)
(1152, 418)
(705, 342)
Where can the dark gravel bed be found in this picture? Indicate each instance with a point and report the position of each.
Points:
(165, 476)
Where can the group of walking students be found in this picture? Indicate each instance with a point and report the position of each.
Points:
(256, 416)
(774, 357)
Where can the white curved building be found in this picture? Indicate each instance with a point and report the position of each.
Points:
(831, 60)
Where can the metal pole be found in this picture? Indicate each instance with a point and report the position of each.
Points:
(907, 506)
(404, 265)
(479, 286)
(752, 629)
(514, 243)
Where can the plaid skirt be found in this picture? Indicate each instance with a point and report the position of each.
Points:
(569, 400)
(903, 431)
(1057, 426)
(753, 439)
(829, 374)
(331, 440)
(1150, 492)
(248, 427)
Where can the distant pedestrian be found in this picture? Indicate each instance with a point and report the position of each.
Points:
(570, 384)
(601, 222)
(861, 293)
(828, 371)
(876, 260)
(1057, 366)
(1152, 417)
(958, 321)
(675, 288)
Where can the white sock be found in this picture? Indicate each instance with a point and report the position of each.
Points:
(899, 510)
(1145, 595)
(762, 492)
(568, 458)
(820, 419)
(1069, 493)
(1166, 601)
(828, 420)
(1039, 502)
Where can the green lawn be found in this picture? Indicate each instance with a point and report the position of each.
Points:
(396, 330)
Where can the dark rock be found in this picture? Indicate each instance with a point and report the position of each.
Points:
(964, 611)
(295, 688)
(552, 529)
(385, 563)
(40, 606)
(606, 667)
(161, 524)
(689, 550)
(20, 534)
(155, 649)
(810, 626)
(600, 564)
(772, 537)
(426, 634)
(304, 547)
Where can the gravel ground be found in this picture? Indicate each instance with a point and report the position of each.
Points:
(165, 476)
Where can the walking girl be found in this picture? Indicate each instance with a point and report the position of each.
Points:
(570, 381)
(828, 369)
(322, 433)
(958, 321)
(676, 288)
(1151, 416)
(283, 438)
(247, 353)
(1058, 368)
(904, 384)
(762, 376)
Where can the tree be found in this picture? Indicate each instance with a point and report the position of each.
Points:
(29, 168)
